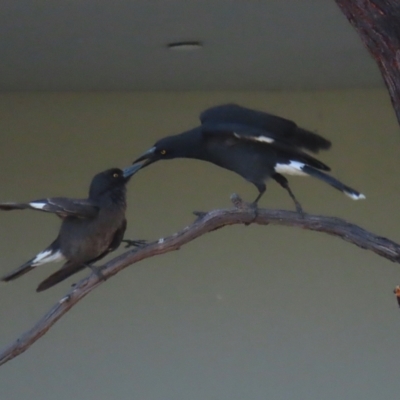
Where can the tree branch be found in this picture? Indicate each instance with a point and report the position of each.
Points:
(206, 222)
(378, 24)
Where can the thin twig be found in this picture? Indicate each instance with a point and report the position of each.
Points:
(206, 222)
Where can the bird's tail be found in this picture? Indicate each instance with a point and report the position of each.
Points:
(66, 271)
(348, 191)
(50, 254)
(22, 270)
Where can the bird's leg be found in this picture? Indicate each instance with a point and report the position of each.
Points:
(254, 205)
(96, 271)
(255, 202)
(285, 184)
(262, 187)
(134, 243)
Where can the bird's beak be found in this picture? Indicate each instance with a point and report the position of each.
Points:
(131, 170)
(146, 158)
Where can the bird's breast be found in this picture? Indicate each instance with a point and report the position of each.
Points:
(84, 240)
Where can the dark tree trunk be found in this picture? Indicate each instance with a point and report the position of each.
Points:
(378, 24)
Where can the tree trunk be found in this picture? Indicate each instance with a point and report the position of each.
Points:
(378, 24)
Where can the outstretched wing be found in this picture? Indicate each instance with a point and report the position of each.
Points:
(259, 126)
(61, 206)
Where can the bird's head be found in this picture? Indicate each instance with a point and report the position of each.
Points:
(109, 180)
(184, 145)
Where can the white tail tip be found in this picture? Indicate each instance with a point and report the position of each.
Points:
(355, 196)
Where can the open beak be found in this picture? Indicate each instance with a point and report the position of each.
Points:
(145, 159)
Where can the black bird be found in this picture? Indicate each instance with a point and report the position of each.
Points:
(254, 144)
(90, 229)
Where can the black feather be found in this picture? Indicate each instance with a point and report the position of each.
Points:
(228, 116)
(68, 269)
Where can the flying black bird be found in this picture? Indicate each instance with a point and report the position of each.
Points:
(254, 144)
(90, 229)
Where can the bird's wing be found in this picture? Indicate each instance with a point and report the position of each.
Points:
(260, 126)
(119, 235)
(240, 134)
(61, 206)
(70, 267)
(115, 242)
(233, 113)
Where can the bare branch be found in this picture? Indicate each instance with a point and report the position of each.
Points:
(206, 222)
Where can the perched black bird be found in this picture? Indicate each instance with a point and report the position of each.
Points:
(91, 228)
(254, 144)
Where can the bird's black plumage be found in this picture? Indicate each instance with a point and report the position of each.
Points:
(90, 229)
(253, 124)
(254, 144)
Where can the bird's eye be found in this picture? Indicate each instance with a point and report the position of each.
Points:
(115, 175)
(163, 152)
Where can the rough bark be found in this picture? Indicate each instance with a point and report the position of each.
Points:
(378, 24)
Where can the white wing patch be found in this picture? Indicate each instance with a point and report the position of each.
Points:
(292, 168)
(38, 206)
(355, 196)
(47, 256)
(262, 139)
